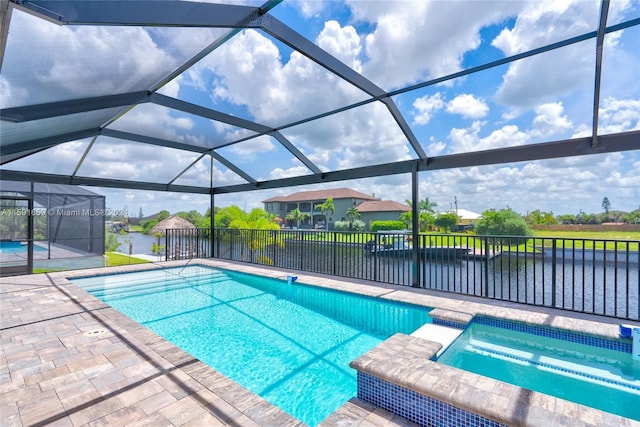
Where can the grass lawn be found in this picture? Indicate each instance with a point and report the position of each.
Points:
(120, 259)
(114, 259)
(472, 240)
(602, 235)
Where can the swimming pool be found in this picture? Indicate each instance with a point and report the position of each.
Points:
(17, 248)
(592, 371)
(291, 344)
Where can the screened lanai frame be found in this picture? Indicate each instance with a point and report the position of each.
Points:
(57, 227)
(33, 128)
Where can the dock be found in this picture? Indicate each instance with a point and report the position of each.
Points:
(436, 252)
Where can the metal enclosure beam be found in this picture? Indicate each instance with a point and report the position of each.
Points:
(208, 113)
(183, 171)
(19, 148)
(168, 13)
(210, 48)
(63, 108)
(128, 136)
(297, 153)
(234, 168)
(604, 11)
(5, 22)
(99, 182)
(198, 110)
(551, 150)
(567, 148)
(415, 229)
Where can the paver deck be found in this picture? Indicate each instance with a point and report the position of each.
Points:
(68, 359)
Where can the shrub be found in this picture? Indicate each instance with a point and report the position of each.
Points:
(387, 225)
(111, 242)
(355, 225)
(358, 225)
(341, 225)
(446, 220)
(504, 222)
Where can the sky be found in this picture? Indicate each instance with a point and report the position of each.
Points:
(393, 44)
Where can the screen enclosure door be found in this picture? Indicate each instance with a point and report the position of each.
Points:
(16, 240)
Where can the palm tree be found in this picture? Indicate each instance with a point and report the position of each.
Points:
(425, 220)
(327, 208)
(407, 218)
(297, 216)
(424, 205)
(352, 214)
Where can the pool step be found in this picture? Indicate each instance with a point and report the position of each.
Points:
(165, 284)
(438, 333)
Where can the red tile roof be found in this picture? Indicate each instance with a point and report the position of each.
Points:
(321, 195)
(382, 206)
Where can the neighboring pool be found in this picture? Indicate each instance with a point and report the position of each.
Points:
(291, 344)
(17, 248)
(595, 372)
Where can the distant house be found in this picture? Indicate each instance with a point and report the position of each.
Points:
(307, 202)
(381, 210)
(467, 220)
(370, 208)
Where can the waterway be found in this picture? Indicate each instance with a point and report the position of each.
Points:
(140, 243)
(590, 285)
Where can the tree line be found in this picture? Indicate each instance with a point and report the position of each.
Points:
(492, 222)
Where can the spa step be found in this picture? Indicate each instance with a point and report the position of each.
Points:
(438, 333)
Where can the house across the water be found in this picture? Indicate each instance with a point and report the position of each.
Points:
(370, 208)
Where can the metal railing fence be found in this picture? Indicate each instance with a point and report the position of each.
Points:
(595, 276)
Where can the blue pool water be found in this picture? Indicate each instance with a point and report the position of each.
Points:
(17, 248)
(604, 378)
(291, 344)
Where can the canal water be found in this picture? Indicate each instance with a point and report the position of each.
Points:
(590, 285)
(140, 243)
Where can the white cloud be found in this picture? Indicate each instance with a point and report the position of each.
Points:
(253, 147)
(468, 106)
(61, 159)
(276, 91)
(469, 139)
(558, 185)
(558, 73)
(341, 42)
(250, 71)
(279, 173)
(415, 40)
(619, 115)
(614, 116)
(550, 120)
(112, 158)
(171, 88)
(434, 147)
(12, 95)
(66, 62)
(154, 120)
(426, 107)
(308, 8)
(358, 137)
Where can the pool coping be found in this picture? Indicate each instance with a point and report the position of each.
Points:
(239, 403)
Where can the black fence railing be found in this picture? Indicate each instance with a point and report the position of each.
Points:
(595, 276)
